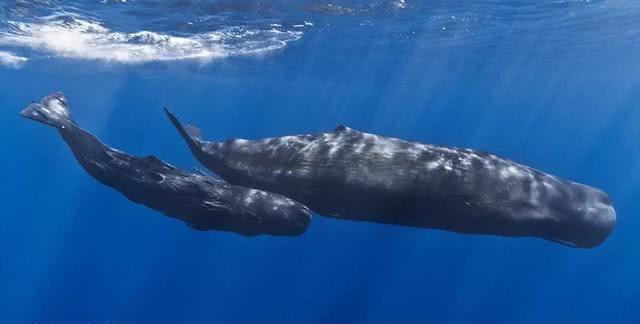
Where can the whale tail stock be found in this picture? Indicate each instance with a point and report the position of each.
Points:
(191, 134)
(51, 110)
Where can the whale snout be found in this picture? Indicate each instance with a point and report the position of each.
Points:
(600, 217)
(590, 223)
(301, 220)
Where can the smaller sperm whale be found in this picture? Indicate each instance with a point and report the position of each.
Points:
(202, 202)
(348, 174)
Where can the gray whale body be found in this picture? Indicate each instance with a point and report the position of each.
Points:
(348, 174)
(200, 201)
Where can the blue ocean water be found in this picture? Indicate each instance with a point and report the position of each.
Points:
(551, 84)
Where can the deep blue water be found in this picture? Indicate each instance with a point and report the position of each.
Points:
(552, 84)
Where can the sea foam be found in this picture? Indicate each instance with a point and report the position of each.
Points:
(78, 37)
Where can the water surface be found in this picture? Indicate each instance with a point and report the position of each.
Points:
(551, 84)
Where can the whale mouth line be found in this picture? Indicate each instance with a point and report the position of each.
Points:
(563, 242)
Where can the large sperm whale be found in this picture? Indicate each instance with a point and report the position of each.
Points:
(200, 201)
(349, 174)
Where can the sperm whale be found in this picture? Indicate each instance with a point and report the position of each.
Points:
(200, 201)
(348, 174)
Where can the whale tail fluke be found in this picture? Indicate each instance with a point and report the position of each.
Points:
(51, 110)
(190, 133)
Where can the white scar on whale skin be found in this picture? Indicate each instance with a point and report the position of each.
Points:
(201, 202)
(347, 174)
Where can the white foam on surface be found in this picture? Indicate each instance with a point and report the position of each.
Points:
(82, 38)
(11, 60)
(399, 4)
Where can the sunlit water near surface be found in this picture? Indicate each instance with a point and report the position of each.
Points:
(551, 84)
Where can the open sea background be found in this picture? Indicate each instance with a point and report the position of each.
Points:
(551, 84)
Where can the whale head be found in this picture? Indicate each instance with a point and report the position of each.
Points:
(584, 218)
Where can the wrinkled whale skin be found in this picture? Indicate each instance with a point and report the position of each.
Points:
(349, 174)
(202, 202)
